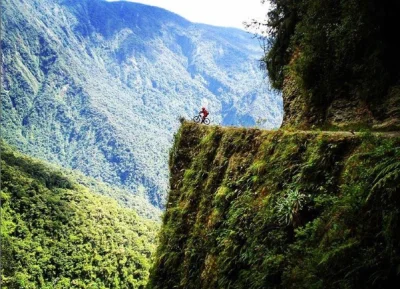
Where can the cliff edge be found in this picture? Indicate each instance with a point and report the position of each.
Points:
(280, 209)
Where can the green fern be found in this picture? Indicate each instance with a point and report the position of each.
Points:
(387, 173)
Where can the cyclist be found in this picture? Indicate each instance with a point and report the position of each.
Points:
(203, 112)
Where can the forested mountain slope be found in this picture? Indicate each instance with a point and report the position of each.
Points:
(56, 233)
(98, 86)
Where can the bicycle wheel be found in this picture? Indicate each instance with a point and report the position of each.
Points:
(206, 121)
(197, 118)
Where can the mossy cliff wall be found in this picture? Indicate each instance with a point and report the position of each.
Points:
(336, 63)
(348, 111)
(280, 209)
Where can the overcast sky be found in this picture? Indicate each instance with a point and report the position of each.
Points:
(230, 13)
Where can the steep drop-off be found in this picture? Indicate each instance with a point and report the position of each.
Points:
(56, 233)
(280, 209)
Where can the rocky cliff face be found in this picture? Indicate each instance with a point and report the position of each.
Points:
(98, 86)
(280, 209)
(344, 112)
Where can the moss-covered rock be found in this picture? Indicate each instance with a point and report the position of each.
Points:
(280, 209)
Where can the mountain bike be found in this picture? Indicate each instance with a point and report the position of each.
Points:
(198, 119)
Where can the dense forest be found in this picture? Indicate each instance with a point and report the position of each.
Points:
(56, 233)
(336, 62)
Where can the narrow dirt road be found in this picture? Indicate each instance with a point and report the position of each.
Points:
(349, 133)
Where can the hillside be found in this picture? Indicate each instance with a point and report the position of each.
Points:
(56, 233)
(280, 209)
(99, 86)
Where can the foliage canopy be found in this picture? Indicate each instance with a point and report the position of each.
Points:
(335, 47)
(57, 233)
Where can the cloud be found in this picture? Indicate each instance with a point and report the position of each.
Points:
(229, 13)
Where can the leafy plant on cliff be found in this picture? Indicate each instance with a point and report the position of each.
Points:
(290, 205)
(387, 173)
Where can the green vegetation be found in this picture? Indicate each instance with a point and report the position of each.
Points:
(124, 198)
(280, 209)
(336, 55)
(56, 233)
(339, 45)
